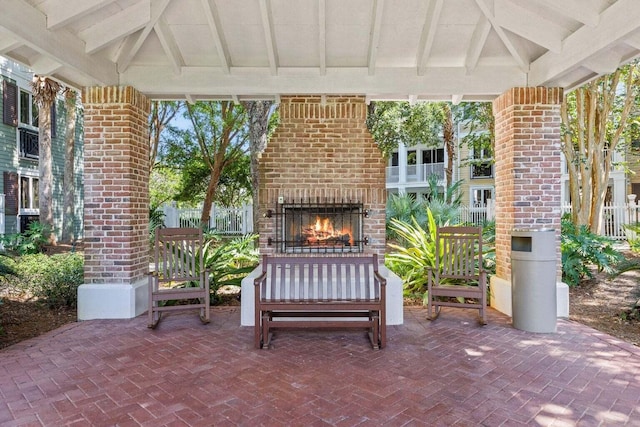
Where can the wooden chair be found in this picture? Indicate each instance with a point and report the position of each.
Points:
(179, 265)
(460, 276)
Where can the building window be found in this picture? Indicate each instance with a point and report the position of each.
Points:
(481, 163)
(28, 109)
(480, 195)
(28, 194)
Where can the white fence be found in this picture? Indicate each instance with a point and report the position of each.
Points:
(615, 217)
(222, 220)
(478, 213)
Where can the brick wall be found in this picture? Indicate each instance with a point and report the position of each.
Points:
(116, 192)
(323, 151)
(527, 154)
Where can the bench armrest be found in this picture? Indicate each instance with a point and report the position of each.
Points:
(380, 278)
(261, 278)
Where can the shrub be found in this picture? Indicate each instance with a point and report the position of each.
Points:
(412, 261)
(582, 249)
(229, 262)
(31, 241)
(53, 279)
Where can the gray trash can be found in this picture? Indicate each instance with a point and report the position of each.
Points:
(533, 280)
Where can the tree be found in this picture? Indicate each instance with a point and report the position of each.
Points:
(162, 113)
(219, 130)
(595, 118)
(44, 92)
(258, 116)
(68, 183)
(392, 123)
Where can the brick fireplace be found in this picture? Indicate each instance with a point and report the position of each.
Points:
(322, 157)
(322, 189)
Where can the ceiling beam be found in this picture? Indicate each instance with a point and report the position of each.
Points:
(605, 62)
(44, 65)
(62, 12)
(133, 44)
(374, 35)
(116, 27)
(29, 25)
(8, 43)
(169, 45)
(529, 25)
(617, 22)
(322, 36)
(428, 34)
(213, 19)
(439, 82)
(517, 53)
(269, 38)
(478, 40)
(581, 10)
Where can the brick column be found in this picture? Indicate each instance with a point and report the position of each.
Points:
(527, 154)
(116, 203)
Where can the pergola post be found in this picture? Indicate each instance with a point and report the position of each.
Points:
(527, 182)
(116, 203)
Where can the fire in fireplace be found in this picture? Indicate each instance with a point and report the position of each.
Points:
(319, 227)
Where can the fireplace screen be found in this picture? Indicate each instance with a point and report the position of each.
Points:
(319, 227)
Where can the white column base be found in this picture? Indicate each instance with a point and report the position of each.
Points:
(395, 301)
(112, 300)
(500, 291)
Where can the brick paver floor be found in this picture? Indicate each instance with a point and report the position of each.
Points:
(447, 372)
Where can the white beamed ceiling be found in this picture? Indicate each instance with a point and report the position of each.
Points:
(262, 49)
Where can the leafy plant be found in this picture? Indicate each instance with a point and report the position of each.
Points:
(582, 249)
(412, 260)
(156, 220)
(53, 279)
(229, 262)
(31, 241)
(403, 207)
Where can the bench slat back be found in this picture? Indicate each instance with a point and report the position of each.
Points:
(178, 257)
(320, 279)
(461, 252)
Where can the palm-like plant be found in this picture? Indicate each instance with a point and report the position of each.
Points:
(413, 260)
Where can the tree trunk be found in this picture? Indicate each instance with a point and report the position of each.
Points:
(258, 112)
(45, 187)
(69, 167)
(449, 143)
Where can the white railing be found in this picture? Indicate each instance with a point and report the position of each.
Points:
(477, 214)
(615, 217)
(222, 220)
(416, 173)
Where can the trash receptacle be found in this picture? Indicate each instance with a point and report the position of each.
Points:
(533, 280)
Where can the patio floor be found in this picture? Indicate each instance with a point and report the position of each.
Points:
(447, 372)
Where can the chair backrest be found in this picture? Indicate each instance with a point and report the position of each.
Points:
(460, 252)
(178, 254)
(320, 279)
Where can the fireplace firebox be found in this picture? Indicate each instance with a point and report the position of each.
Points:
(318, 227)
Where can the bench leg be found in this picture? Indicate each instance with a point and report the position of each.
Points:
(375, 342)
(266, 337)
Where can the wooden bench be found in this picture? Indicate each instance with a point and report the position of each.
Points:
(178, 263)
(320, 292)
(460, 281)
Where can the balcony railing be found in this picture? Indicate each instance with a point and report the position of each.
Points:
(416, 173)
(29, 145)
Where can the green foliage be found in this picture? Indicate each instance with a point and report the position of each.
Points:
(403, 207)
(479, 123)
(413, 259)
(391, 123)
(53, 279)
(582, 249)
(229, 261)
(633, 236)
(156, 220)
(31, 241)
